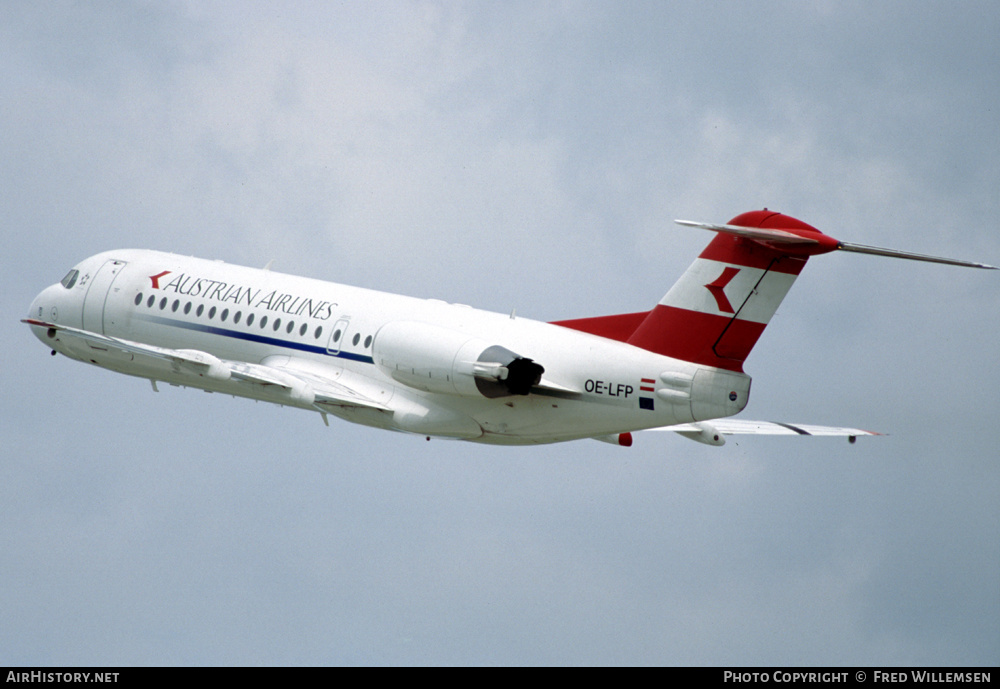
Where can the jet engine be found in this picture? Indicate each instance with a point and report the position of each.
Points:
(437, 359)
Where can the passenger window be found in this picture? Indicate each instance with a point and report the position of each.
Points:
(138, 299)
(319, 331)
(250, 319)
(336, 335)
(150, 301)
(277, 324)
(302, 330)
(163, 303)
(263, 322)
(357, 339)
(201, 310)
(237, 317)
(290, 328)
(175, 305)
(211, 313)
(225, 314)
(187, 308)
(368, 342)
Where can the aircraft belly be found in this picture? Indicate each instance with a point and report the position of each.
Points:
(538, 419)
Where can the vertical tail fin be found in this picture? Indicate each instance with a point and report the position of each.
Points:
(716, 312)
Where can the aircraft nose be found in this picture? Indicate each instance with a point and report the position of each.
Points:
(36, 308)
(43, 306)
(41, 311)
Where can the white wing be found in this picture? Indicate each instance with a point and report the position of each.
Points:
(327, 386)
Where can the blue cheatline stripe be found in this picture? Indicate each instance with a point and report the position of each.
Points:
(252, 337)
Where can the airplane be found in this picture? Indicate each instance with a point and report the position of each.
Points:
(436, 369)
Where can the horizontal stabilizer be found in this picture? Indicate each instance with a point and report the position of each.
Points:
(747, 427)
(893, 253)
(797, 241)
(755, 233)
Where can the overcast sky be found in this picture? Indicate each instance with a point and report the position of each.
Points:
(527, 155)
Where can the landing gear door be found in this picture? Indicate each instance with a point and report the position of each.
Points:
(97, 295)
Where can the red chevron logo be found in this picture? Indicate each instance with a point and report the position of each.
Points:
(718, 286)
(156, 278)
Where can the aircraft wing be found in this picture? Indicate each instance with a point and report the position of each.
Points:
(189, 357)
(711, 432)
(278, 372)
(333, 386)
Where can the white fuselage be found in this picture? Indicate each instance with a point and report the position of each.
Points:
(413, 359)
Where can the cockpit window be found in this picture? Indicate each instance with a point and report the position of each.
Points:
(70, 278)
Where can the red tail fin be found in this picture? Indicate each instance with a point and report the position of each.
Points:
(718, 309)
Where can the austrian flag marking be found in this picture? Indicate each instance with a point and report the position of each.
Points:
(647, 385)
(156, 278)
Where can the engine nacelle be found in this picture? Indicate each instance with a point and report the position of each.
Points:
(436, 359)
